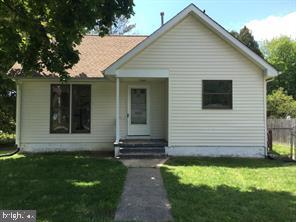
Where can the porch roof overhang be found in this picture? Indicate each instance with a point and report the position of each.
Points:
(142, 73)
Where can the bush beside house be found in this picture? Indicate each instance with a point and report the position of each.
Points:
(7, 139)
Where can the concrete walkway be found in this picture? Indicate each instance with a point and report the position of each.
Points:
(143, 162)
(144, 197)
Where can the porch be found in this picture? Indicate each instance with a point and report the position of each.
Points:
(141, 115)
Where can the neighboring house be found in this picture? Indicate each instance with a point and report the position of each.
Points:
(190, 83)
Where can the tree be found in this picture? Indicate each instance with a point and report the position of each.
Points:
(43, 34)
(281, 53)
(7, 107)
(246, 37)
(121, 26)
(280, 105)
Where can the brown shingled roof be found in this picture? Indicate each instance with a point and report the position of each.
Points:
(96, 54)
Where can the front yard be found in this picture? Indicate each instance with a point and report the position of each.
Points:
(221, 189)
(81, 187)
(62, 187)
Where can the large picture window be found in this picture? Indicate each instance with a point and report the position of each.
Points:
(217, 94)
(80, 109)
(60, 109)
(62, 96)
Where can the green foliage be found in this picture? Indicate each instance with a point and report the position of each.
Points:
(280, 105)
(246, 37)
(8, 105)
(43, 34)
(281, 53)
(7, 139)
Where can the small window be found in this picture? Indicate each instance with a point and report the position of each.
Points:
(80, 109)
(217, 94)
(59, 108)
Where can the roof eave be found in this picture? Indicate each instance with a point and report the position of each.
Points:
(268, 69)
(210, 23)
(270, 73)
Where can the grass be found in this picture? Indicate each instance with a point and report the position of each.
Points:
(281, 149)
(62, 187)
(225, 189)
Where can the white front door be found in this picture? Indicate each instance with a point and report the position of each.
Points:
(138, 111)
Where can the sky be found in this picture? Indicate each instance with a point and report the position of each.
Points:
(266, 18)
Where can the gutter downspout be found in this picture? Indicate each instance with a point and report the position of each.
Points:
(18, 112)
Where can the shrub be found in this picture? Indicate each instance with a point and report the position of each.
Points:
(281, 105)
(7, 139)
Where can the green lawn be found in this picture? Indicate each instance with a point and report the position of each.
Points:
(225, 189)
(62, 187)
(281, 149)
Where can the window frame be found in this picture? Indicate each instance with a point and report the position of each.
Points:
(70, 110)
(217, 108)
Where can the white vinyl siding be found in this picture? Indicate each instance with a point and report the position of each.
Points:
(35, 116)
(192, 53)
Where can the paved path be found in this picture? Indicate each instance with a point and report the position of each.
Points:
(144, 197)
(143, 162)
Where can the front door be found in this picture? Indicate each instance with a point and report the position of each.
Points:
(138, 111)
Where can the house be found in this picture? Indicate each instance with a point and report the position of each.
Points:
(190, 83)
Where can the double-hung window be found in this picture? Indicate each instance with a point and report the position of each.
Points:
(217, 94)
(70, 108)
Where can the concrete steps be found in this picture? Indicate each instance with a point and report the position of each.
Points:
(138, 149)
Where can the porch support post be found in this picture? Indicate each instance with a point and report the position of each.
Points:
(117, 110)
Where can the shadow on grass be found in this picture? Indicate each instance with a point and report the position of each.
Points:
(4, 149)
(62, 187)
(220, 203)
(228, 162)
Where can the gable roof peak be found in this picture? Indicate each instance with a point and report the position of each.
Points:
(192, 9)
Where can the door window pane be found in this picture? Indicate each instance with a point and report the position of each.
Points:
(138, 106)
(81, 95)
(60, 108)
